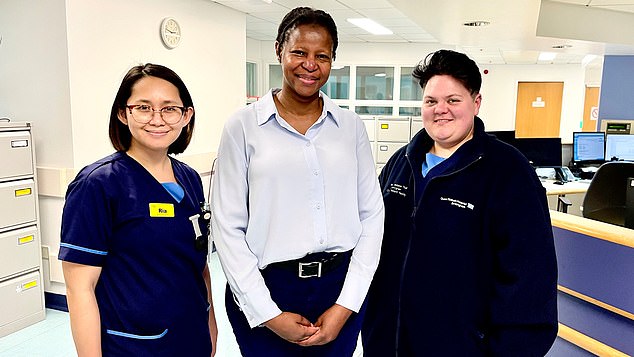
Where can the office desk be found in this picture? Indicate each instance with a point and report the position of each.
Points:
(574, 191)
(567, 188)
(596, 295)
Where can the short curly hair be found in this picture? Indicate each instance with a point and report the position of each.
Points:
(451, 63)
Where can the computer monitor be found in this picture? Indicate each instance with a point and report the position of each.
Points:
(541, 152)
(619, 147)
(508, 136)
(588, 147)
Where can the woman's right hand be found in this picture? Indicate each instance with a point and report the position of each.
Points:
(291, 327)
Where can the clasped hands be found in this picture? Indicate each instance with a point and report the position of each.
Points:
(297, 329)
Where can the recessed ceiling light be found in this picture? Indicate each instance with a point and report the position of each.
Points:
(561, 46)
(546, 56)
(476, 23)
(371, 26)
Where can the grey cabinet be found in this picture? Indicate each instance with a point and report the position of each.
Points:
(21, 288)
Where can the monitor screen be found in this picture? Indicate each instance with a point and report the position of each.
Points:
(619, 146)
(544, 152)
(588, 146)
(508, 136)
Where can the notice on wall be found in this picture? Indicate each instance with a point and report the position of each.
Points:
(538, 103)
(594, 113)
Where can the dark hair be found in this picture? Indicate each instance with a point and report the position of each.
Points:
(120, 135)
(306, 16)
(452, 63)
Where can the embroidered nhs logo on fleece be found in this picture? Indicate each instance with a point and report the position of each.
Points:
(457, 203)
(398, 189)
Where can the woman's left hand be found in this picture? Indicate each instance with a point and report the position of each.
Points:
(329, 323)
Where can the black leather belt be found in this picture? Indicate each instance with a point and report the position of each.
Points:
(314, 265)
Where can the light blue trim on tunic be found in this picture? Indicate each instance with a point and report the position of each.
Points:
(138, 337)
(83, 249)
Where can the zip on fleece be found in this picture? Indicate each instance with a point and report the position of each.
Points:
(409, 242)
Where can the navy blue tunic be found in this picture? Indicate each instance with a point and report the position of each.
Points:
(151, 294)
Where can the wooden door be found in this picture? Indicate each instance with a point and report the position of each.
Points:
(538, 111)
(591, 104)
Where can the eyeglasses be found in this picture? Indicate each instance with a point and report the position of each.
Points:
(143, 113)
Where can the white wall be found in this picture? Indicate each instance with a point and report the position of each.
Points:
(61, 63)
(34, 75)
(106, 38)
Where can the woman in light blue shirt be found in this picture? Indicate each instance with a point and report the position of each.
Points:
(298, 214)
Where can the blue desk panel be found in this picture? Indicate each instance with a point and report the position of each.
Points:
(597, 268)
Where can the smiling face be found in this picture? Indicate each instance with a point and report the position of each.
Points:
(306, 58)
(448, 113)
(155, 136)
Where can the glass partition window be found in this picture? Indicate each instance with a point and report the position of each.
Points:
(409, 111)
(275, 76)
(375, 83)
(410, 89)
(338, 85)
(372, 110)
(252, 83)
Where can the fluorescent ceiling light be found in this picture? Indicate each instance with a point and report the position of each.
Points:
(371, 26)
(380, 75)
(546, 56)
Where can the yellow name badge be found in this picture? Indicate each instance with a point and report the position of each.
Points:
(165, 210)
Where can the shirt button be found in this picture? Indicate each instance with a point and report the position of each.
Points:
(318, 206)
(308, 143)
(316, 173)
(321, 241)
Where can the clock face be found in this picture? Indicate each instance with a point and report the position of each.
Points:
(170, 32)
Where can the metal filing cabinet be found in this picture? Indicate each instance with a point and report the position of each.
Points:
(392, 133)
(417, 125)
(21, 288)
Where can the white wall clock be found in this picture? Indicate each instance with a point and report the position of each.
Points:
(170, 32)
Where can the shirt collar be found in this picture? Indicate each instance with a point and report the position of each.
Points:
(266, 109)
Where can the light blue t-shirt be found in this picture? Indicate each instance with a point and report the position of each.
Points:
(430, 162)
(175, 190)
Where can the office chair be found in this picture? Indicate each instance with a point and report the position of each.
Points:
(606, 197)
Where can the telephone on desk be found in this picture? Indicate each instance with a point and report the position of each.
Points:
(560, 175)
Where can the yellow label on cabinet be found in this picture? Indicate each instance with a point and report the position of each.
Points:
(161, 210)
(22, 192)
(24, 240)
(385, 126)
(29, 285)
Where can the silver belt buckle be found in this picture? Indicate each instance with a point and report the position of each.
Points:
(303, 274)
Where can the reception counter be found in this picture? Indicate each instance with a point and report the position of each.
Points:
(596, 285)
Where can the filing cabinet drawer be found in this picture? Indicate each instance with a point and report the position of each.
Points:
(369, 128)
(17, 202)
(20, 251)
(20, 297)
(392, 130)
(417, 125)
(16, 158)
(385, 150)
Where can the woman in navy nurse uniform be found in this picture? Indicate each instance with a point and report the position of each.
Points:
(133, 242)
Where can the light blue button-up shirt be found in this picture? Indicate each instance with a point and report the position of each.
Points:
(279, 195)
